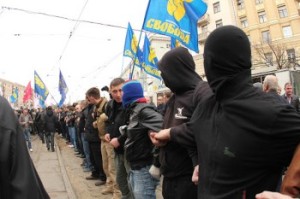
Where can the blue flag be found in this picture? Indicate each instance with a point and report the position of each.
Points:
(131, 48)
(150, 60)
(15, 95)
(39, 87)
(175, 18)
(174, 43)
(63, 89)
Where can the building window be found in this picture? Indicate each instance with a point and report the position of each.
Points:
(240, 4)
(262, 17)
(259, 1)
(291, 55)
(282, 11)
(217, 7)
(269, 58)
(287, 31)
(244, 22)
(266, 36)
(219, 23)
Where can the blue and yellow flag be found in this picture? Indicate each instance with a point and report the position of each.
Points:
(39, 87)
(174, 43)
(150, 60)
(131, 48)
(63, 89)
(15, 95)
(175, 18)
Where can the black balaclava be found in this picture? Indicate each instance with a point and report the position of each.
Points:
(178, 70)
(227, 54)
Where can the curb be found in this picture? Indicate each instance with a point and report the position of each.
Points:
(69, 188)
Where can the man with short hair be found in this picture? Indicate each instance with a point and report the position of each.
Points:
(116, 118)
(290, 97)
(25, 121)
(93, 98)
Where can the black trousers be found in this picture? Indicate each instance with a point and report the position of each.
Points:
(178, 188)
(96, 160)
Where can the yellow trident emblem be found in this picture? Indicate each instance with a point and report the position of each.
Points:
(176, 8)
(151, 56)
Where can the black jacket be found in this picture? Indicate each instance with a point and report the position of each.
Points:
(50, 122)
(178, 72)
(91, 133)
(18, 177)
(244, 136)
(294, 102)
(116, 118)
(138, 146)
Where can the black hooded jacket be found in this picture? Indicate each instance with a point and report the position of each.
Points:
(246, 136)
(50, 121)
(18, 177)
(178, 72)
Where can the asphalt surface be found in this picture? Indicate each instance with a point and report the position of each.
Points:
(61, 173)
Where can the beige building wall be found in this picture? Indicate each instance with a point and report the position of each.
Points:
(6, 89)
(274, 24)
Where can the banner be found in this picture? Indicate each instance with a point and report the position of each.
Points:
(174, 43)
(131, 48)
(27, 92)
(15, 95)
(150, 60)
(39, 87)
(175, 18)
(63, 89)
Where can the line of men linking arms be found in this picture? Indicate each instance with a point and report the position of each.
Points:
(234, 139)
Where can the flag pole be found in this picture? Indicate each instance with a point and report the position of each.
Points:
(141, 31)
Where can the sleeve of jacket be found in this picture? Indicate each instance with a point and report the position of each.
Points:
(18, 177)
(151, 119)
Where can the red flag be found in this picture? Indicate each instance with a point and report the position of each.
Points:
(27, 92)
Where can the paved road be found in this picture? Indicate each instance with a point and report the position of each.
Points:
(62, 175)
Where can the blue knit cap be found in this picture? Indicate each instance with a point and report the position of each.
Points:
(132, 91)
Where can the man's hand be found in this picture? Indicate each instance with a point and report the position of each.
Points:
(195, 175)
(107, 137)
(271, 195)
(161, 138)
(115, 142)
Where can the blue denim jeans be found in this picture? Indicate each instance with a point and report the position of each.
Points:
(142, 183)
(87, 153)
(72, 133)
(122, 170)
(27, 137)
(50, 140)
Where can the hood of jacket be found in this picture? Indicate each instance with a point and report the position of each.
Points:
(49, 113)
(227, 60)
(178, 70)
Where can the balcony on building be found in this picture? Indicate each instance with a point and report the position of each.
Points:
(203, 20)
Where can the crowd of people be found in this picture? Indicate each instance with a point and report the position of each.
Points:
(224, 138)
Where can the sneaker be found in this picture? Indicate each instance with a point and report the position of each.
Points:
(71, 145)
(30, 150)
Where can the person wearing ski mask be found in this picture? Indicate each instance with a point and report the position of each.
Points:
(177, 162)
(142, 117)
(246, 136)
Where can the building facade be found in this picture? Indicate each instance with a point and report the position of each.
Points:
(7, 88)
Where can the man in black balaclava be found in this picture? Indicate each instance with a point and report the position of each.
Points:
(246, 136)
(177, 163)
